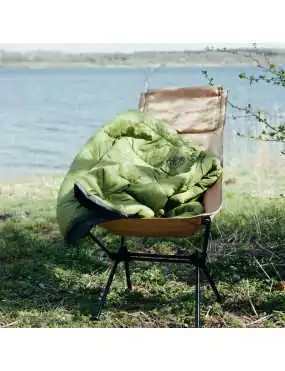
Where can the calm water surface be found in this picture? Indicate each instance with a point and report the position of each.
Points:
(46, 115)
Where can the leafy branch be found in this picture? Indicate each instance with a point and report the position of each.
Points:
(268, 73)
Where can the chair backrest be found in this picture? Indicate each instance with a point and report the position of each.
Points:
(198, 113)
(195, 112)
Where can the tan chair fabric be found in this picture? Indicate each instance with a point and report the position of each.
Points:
(195, 112)
(198, 113)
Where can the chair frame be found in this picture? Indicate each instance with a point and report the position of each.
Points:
(198, 259)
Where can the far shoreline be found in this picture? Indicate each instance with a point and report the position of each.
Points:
(207, 58)
(39, 66)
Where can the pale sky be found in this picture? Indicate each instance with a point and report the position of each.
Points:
(128, 25)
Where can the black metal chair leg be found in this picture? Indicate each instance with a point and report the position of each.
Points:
(212, 283)
(198, 259)
(197, 298)
(106, 291)
(124, 253)
(128, 275)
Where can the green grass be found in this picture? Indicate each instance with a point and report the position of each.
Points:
(44, 284)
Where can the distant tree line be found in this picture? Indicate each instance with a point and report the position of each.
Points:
(187, 57)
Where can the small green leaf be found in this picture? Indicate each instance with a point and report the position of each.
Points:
(242, 75)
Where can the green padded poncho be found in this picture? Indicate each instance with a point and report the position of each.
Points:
(138, 165)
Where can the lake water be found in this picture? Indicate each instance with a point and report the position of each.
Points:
(46, 115)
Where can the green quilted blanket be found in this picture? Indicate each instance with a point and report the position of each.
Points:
(137, 165)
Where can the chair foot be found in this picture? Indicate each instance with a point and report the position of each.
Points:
(106, 290)
(212, 283)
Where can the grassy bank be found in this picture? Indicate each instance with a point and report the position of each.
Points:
(44, 284)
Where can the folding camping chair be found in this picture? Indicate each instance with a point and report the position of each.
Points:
(197, 113)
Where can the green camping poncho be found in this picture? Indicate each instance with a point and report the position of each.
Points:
(138, 165)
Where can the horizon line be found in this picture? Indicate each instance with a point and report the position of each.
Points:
(205, 49)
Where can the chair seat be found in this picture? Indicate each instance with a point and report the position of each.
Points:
(154, 227)
(168, 227)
